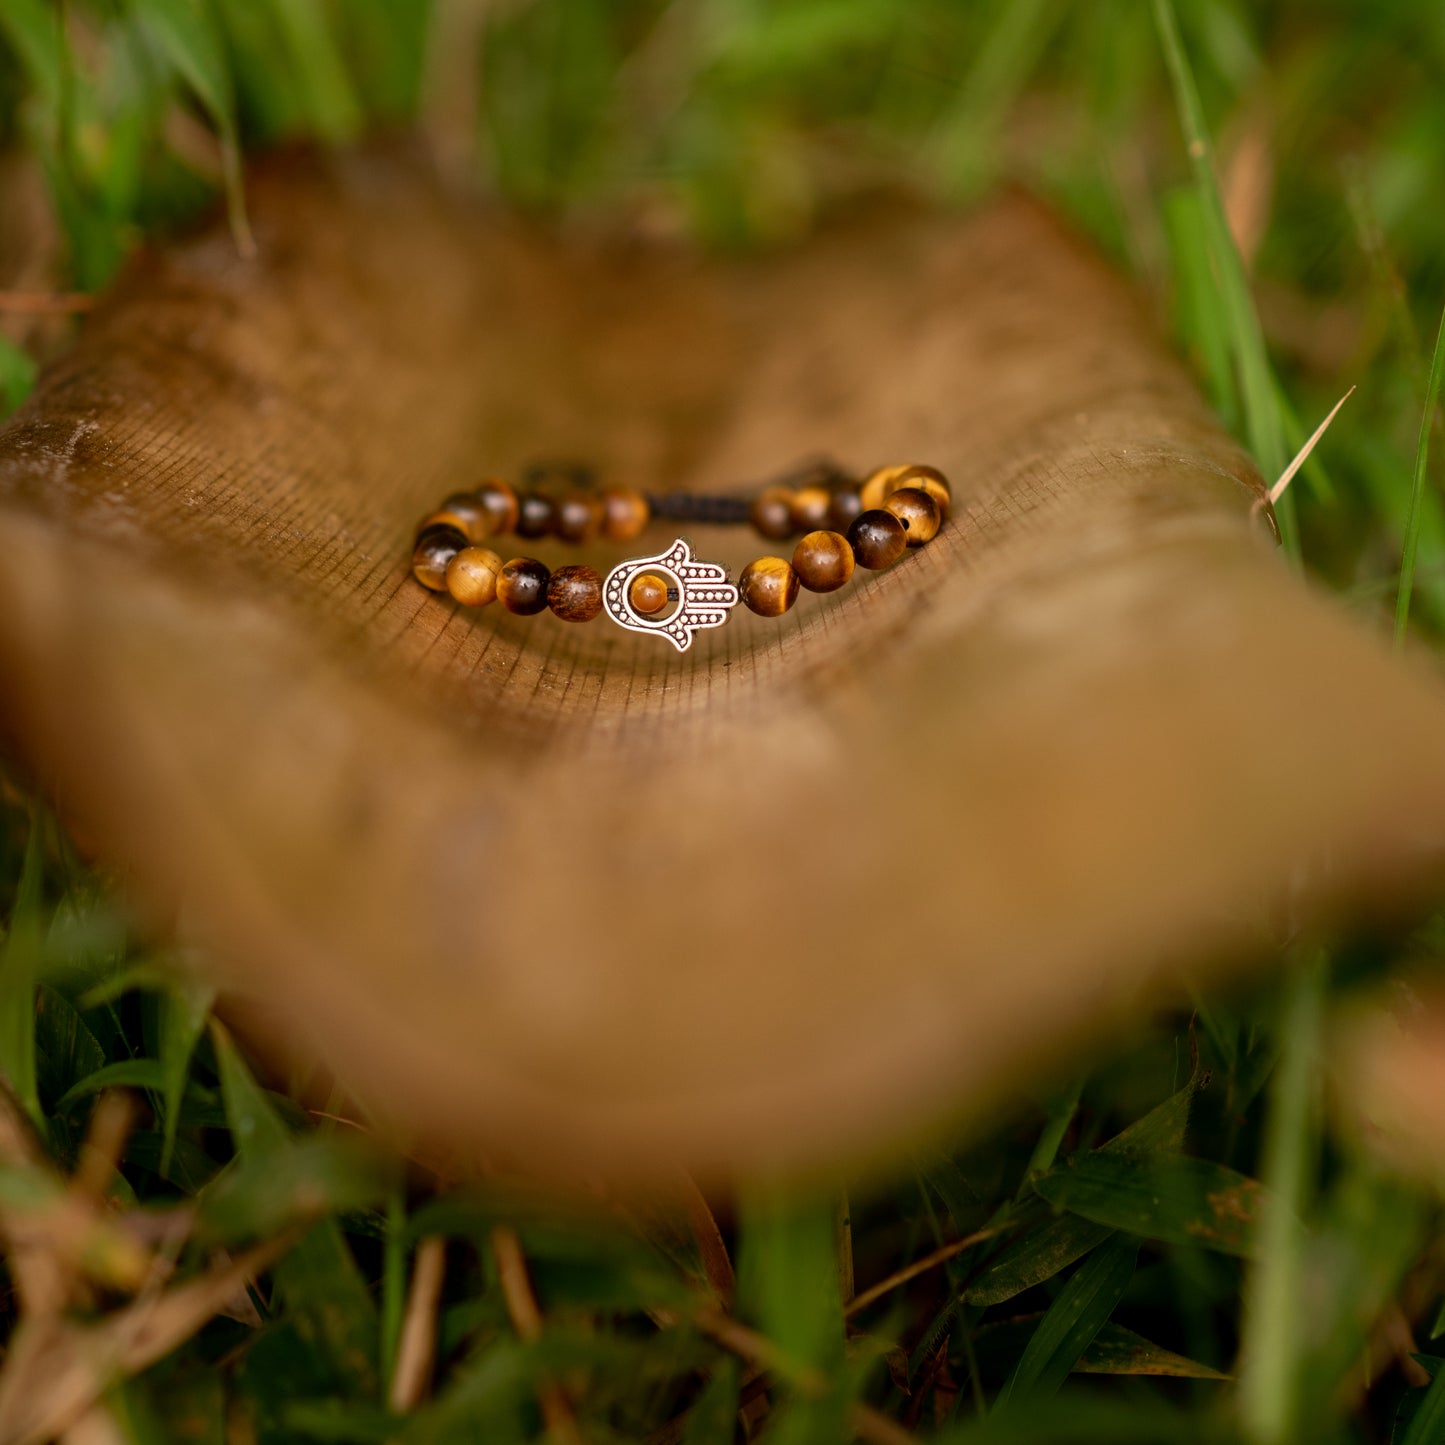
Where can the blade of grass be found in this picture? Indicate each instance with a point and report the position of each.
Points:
(1256, 382)
(19, 966)
(184, 1008)
(1417, 491)
(187, 34)
(1074, 1318)
(1427, 1425)
(1270, 1350)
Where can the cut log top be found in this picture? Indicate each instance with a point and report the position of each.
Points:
(562, 892)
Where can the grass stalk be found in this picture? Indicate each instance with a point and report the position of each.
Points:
(1270, 1354)
(1417, 492)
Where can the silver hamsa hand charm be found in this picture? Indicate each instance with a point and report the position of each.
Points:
(704, 595)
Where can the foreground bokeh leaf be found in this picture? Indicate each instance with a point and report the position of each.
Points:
(794, 897)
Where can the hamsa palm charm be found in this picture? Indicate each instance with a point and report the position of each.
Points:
(705, 597)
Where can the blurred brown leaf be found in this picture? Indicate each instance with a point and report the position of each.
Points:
(792, 897)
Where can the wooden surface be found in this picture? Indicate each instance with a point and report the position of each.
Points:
(568, 896)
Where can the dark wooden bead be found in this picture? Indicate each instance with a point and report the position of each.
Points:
(579, 516)
(435, 548)
(464, 511)
(877, 538)
(536, 515)
(501, 504)
(918, 512)
(769, 586)
(625, 514)
(522, 586)
(772, 512)
(575, 594)
(472, 576)
(810, 508)
(648, 593)
(844, 506)
(823, 561)
(926, 479)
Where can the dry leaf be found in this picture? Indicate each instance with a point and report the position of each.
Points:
(562, 894)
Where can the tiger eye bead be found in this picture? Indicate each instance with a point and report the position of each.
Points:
(434, 550)
(500, 503)
(918, 512)
(472, 576)
(769, 586)
(823, 561)
(926, 479)
(877, 538)
(810, 508)
(844, 505)
(772, 513)
(536, 515)
(465, 512)
(522, 586)
(579, 516)
(575, 594)
(625, 514)
(875, 487)
(648, 593)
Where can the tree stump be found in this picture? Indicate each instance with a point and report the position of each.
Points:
(793, 897)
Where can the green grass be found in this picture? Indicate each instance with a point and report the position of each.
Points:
(1106, 1253)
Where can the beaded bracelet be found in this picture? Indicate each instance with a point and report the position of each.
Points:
(845, 523)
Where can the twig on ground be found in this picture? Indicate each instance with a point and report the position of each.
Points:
(899, 1277)
(526, 1318)
(416, 1354)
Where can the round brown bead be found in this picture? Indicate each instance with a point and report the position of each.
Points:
(472, 576)
(844, 505)
(810, 508)
(536, 515)
(500, 503)
(464, 511)
(625, 514)
(575, 594)
(772, 512)
(823, 561)
(926, 479)
(579, 516)
(435, 548)
(875, 486)
(877, 538)
(522, 586)
(648, 593)
(769, 586)
(918, 512)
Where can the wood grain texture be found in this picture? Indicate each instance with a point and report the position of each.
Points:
(561, 893)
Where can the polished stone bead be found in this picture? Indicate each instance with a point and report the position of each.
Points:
(472, 576)
(625, 514)
(918, 512)
(648, 593)
(809, 509)
(536, 515)
(844, 505)
(501, 504)
(579, 517)
(877, 538)
(435, 548)
(772, 512)
(768, 586)
(465, 512)
(875, 487)
(926, 479)
(522, 586)
(575, 593)
(823, 561)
